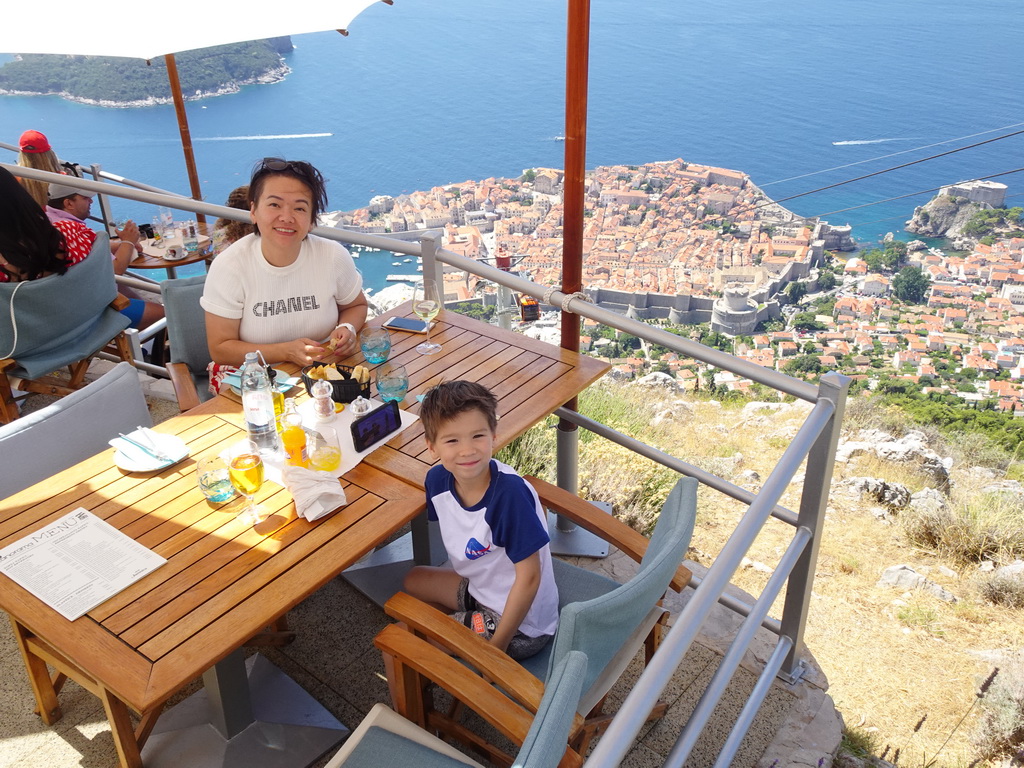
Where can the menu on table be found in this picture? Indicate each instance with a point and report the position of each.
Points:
(77, 562)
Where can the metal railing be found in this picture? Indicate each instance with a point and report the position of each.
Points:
(815, 443)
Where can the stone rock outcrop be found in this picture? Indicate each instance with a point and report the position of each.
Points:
(905, 577)
(943, 216)
(893, 496)
(911, 448)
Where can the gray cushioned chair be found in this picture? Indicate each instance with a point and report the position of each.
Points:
(57, 321)
(606, 620)
(72, 429)
(186, 334)
(387, 740)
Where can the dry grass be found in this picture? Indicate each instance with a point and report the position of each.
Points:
(889, 659)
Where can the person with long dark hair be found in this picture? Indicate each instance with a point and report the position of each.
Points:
(30, 246)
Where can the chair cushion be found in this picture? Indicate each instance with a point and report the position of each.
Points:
(575, 585)
(603, 625)
(60, 319)
(72, 429)
(383, 749)
(385, 738)
(186, 328)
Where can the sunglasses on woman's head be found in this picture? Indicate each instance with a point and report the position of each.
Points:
(277, 164)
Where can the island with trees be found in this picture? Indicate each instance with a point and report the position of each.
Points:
(116, 81)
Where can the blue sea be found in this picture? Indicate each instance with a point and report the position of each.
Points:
(799, 94)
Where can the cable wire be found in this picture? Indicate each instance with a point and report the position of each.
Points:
(891, 154)
(909, 194)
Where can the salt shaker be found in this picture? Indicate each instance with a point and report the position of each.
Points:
(359, 406)
(323, 405)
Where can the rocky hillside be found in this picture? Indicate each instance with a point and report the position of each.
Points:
(919, 589)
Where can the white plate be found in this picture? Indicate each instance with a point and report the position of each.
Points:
(132, 459)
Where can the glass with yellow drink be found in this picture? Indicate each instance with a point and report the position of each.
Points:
(324, 449)
(246, 472)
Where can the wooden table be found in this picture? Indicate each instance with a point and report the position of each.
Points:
(153, 257)
(222, 584)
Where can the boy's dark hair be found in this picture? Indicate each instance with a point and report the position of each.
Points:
(447, 400)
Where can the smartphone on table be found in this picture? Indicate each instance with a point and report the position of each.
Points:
(376, 425)
(409, 324)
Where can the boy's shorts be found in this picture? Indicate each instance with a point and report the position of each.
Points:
(484, 621)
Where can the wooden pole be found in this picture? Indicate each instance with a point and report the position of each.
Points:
(186, 137)
(576, 71)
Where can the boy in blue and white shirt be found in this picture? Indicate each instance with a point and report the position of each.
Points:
(493, 526)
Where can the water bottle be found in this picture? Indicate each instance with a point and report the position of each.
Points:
(258, 405)
(190, 240)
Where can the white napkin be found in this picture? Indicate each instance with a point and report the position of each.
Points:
(315, 493)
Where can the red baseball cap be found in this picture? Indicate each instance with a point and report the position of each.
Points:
(34, 141)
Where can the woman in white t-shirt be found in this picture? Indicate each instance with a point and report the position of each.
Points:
(292, 295)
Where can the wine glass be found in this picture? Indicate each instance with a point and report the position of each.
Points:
(375, 343)
(246, 471)
(392, 382)
(426, 303)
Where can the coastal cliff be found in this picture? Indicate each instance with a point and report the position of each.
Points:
(943, 216)
(113, 81)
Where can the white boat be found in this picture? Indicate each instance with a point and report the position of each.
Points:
(396, 263)
(419, 269)
(406, 261)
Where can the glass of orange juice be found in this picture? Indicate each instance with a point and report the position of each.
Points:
(324, 449)
(245, 469)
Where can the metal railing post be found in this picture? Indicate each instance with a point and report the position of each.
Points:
(813, 501)
(432, 268)
(104, 201)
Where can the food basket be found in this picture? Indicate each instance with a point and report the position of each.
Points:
(345, 390)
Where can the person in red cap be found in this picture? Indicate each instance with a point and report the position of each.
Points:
(36, 153)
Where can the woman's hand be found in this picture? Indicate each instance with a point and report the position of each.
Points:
(341, 344)
(303, 351)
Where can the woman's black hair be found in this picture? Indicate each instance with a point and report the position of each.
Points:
(28, 241)
(296, 169)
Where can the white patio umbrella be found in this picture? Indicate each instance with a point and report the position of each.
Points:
(124, 28)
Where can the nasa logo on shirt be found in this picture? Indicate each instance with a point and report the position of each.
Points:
(475, 550)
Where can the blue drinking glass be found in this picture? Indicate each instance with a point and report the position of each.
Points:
(392, 382)
(375, 343)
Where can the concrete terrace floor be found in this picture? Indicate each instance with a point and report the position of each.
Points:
(333, 658)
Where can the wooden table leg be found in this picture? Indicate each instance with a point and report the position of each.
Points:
(122, 729)
(48, 707)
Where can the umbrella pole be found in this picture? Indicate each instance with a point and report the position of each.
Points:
(186, 137)
(567, 538)
(576, 70)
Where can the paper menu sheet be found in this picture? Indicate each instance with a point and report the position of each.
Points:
(77, 562)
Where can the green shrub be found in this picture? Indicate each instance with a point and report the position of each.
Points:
(1000, 730)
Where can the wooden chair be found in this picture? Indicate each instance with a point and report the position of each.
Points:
(186, 333)
(386, 739)
(608, 621)
(58, 321)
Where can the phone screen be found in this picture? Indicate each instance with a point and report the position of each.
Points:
(406, 324)
(376, 425)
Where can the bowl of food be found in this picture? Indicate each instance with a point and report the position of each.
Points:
(346, 382)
